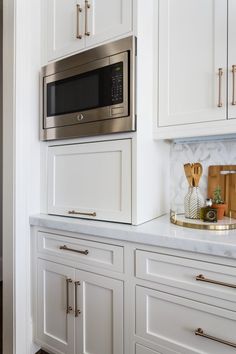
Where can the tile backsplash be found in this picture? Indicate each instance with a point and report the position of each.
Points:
(207, 153)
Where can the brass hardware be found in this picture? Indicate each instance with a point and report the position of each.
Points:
(200, 332)
(65, 248)
(77, 311)
(79, 10)
(234, 83)
(201, 277)
(68, 307)
(220, 73)
(73, 212)
(87, 6)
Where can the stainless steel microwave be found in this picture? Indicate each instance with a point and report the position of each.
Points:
(91, 93)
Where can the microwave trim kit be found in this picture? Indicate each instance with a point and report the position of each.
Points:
(104, 79)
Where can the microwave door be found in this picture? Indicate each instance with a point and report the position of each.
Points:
(92, 92)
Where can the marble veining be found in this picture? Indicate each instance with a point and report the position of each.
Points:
(207, 153)
(158, 232)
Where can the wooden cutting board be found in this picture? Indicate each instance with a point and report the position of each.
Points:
(220, 176)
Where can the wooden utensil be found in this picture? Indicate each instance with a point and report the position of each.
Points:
(196, 170)
(188, 173)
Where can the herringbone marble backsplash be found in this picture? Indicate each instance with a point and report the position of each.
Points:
(207, 153)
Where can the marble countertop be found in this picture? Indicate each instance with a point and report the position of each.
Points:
(158, 232)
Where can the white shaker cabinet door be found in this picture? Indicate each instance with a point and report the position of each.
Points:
(99, 325)
(192, 61)
(91, 180)
(55, 293)
(232, 59)
(64, 32)
(107, 19)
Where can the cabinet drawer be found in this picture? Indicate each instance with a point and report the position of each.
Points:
(182, 273)
(171, 320)
(91, 180)
(143, 350)
(92, 253)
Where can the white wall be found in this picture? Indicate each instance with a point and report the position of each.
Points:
(21, 163)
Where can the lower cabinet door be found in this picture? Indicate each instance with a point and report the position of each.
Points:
(99, 325)
(184, 325)
(55, 320)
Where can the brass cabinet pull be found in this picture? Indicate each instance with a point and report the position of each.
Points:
(220, 73)
(77, 311)
(87, 6)
(201, 277)
(200, 332)
(68, 307)
(79, 10)
(65, 248)
(73, 212)
(233, 94)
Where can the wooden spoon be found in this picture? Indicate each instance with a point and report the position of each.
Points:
(188, 173)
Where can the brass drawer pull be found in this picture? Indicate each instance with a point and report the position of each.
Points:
(65, 248)
(200, 332)
(201, 277)
(77, 311)
(68, 307)
(234, 84)
(79, 10)
(73, 212)
(220, 73)
(87, 6)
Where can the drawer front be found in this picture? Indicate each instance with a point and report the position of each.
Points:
(140, 349)
(172, 321)
(91, 180)
(183, 273)
(79, 250)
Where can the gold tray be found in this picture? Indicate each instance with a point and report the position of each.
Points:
(181, 220)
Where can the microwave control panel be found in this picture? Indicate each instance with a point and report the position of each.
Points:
(117, 83)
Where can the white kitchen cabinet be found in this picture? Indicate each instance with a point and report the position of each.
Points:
(232, 60)
(99, 326)
(174, 321)
(91, 180)
(62, 24)
(142, 350)
(73, 25)
(54, 326)
(78, 312)
(108, 19)
(192, 51)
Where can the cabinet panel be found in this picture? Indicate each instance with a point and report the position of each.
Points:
(99, 327)
(91, 180)
(99, 255)
(55, 327)
(62, 27)
(108, 19)
(143, 350)
(192, 48)
(182, 272)
(232, 60)
(164, 318)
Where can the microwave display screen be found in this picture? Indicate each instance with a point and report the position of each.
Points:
(94, 89)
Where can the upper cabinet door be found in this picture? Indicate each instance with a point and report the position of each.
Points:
(192, 61)
(91, 180)
(106, 19)
(64, 32)
(232, 59)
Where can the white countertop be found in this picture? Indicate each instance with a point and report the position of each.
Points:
(158, 232)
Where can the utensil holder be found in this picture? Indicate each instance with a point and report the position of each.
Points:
(193, 202)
